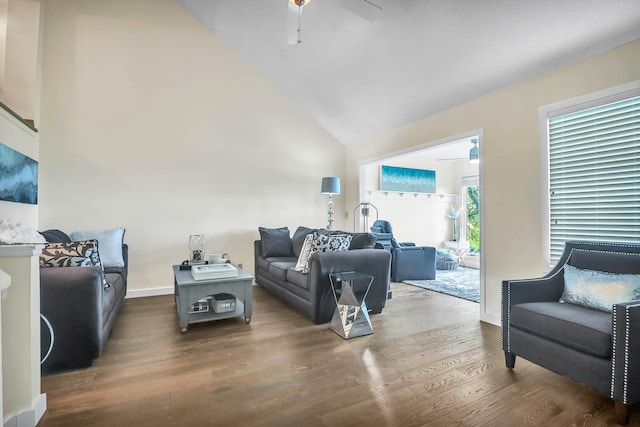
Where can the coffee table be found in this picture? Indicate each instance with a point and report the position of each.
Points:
(188, 291)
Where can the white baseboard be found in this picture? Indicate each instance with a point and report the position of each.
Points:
(29, 417)
(491, 318)
(151, 292)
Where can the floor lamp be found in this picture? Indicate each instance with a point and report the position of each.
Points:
(365, 211)
(330, 186)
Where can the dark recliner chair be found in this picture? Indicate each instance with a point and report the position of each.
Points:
(587, 337)
(408, 261)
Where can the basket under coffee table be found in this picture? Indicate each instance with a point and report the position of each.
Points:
(188, 291)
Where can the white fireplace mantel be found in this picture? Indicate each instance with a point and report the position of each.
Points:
(22, 402)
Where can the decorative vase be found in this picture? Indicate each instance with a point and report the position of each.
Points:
(196, 247)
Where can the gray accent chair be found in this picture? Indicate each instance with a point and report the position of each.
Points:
(597, 348)
(408, 261)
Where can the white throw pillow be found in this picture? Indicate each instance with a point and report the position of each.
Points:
(305, 253)
(109, 244)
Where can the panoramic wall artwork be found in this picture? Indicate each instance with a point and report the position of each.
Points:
(394, 178)
(18, 177)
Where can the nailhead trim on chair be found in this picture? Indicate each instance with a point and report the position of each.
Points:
(626, 356)
(627, 334)
(626, 349)
(613, 354)
(608, 244)
(509, 318)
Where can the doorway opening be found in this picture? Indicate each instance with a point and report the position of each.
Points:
(422, 218)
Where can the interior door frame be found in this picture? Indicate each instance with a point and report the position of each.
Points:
(478, 133)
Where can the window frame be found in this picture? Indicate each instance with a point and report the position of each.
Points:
(595, 99)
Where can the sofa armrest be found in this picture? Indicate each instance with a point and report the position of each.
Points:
(533, 290)
(625, 369)
(374, 262)
(548, 288)
(71, 302)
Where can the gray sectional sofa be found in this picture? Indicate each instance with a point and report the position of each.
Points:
(276, 256)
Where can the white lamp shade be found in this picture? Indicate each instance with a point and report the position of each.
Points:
(330, 185)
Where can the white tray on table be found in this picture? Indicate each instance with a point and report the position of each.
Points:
(213, 271)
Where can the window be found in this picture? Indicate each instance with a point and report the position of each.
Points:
(471, 207)
(594, 171)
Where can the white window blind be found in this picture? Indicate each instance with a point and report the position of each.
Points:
(594, 175)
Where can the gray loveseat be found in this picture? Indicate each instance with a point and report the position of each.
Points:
(79, 306)
(276, 255)
(587, 337)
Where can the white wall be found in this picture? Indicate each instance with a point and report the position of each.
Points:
(150, 122)
(19, 21)
(420, 219)
(510, 158)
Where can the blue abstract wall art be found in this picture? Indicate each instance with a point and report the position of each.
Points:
(18, 177)
(393, 178)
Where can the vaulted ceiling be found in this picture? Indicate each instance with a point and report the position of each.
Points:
(367, 67)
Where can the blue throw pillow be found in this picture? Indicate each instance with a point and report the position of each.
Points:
(599, 290)
(109, 244)
(276, 242)
(445, 255)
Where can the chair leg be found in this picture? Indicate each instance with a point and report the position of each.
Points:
(510, 359)
(622, 413)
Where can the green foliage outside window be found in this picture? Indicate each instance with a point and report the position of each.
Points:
(473, 218)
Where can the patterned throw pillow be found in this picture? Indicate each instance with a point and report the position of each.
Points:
(70, 254)
(599, 290)
(330, 243)
(73, 254)
(317, 242)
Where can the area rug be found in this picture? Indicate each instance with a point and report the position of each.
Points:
(462, 283)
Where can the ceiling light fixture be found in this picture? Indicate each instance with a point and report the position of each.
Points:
(473, 153)
(300, 4)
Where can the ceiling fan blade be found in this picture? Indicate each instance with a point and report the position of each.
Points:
(366, 9)
(451, 159)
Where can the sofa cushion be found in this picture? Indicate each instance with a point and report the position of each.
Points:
(578, 327)
(363, 241)
(279, 269)
(297, 241)
(266, 262)
(110, 244)
(599, 290)
(276, 242)
(298, 278)
(70, 254)
(55, 236)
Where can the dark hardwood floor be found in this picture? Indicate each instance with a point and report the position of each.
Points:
(429, 362)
